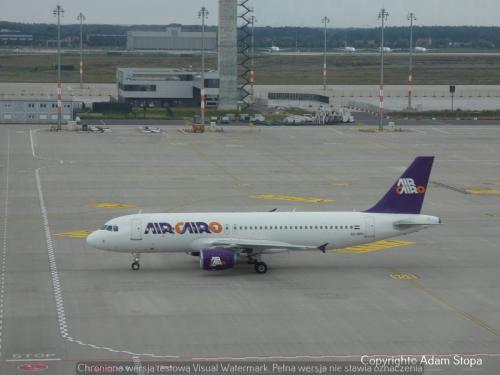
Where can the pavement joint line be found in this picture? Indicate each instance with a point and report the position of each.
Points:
(458, 310)
(299, 165)
(239, 181)
(5, 242)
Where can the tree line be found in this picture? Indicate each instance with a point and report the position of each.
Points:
(303, 38)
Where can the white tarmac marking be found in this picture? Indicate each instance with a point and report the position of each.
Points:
(33, 360)
(32, 141)
(417, 131)
(56, 283)
(3, 268)
(337, 131)
(441, 131)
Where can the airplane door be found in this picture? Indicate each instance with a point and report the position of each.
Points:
(136, 229)
(369, 226)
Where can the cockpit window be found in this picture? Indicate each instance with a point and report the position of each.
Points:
(110, 228)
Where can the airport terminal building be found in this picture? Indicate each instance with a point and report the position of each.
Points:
(166, 87)
(41, 110)
(173, 38)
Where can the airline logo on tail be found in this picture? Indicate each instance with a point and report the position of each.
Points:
(408, 186)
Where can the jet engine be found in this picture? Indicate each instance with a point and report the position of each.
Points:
(217, 259)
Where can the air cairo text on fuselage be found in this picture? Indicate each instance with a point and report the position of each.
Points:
(182, 227)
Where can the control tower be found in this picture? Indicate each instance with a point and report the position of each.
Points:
(228, 54)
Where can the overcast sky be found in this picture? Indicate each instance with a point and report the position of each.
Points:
(343, 13)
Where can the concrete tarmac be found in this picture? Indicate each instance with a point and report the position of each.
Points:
(62, 302)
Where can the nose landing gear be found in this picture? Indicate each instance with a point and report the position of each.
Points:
(136, 265)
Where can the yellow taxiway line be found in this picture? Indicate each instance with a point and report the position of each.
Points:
(111, 205)
(291, 198)
(374, 246)
(74, 234)
(479, 191)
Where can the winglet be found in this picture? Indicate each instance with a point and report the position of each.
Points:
(323, 248)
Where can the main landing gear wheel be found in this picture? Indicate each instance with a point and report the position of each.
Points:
(260, 267)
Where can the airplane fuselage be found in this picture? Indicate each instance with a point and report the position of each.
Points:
(185, 232)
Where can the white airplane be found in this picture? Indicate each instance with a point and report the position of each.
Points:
(420, 49)
(219, 238)
(150, 129)
(274, 49)
(348, 49)
(386, 49)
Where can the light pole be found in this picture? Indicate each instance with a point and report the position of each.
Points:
(58, 12)
(81, 18)
(411, 18)
(383, 17)
(252, 68)
(325, 21)
(203, 14)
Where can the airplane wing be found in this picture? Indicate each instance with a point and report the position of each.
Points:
(251, 246)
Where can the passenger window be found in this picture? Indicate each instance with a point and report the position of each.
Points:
(115, 228)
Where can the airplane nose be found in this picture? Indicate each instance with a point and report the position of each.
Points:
(93, 240)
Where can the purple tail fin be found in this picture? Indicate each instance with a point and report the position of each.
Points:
(406, 196)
